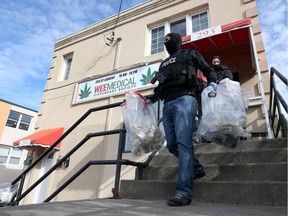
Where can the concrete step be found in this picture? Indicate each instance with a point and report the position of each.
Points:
(257, 193)
(246, 145)
(228, 172)
(236, 157)
(133, 207)
(253, 172)
(253, 156)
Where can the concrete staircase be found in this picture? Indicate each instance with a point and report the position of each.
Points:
(254, 172)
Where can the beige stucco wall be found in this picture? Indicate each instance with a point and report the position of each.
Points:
(92, 57)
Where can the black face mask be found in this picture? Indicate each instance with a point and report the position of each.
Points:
(217, 67)
(174, 44)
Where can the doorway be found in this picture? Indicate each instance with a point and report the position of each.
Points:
(41, 189)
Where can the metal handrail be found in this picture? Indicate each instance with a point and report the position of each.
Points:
(22, 176)
(63, 136)
(276, 100)
(86, 166)
(117, 162)
(86, 138)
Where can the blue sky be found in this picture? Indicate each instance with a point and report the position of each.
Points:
(30, 28)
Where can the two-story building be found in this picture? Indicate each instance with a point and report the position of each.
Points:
(95, 66)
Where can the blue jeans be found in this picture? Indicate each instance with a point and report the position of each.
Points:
(179, 122)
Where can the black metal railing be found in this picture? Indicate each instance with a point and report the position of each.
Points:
(276, 102)
(118, 162)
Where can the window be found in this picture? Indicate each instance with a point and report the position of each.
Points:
(66, 67)
(25, 122)
(157, 40)
(13, 119)
(179, 27)
(18, 120)
(4, 152)
(15, 156)
(10, 155)
(185, 26)
(199, 22)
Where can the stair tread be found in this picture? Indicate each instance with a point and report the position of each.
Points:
(247, 145)
(228, 164)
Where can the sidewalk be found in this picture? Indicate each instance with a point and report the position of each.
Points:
(132, 207)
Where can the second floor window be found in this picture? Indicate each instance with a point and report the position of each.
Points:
(157, 40)
(179, 27)
(200, 22)
(182, 26)
(66, 66)
(18, 120)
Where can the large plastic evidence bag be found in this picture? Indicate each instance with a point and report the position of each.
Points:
(224, 113)
(141, 124)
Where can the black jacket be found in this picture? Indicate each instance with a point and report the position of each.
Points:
(222, 72)
(174, 91)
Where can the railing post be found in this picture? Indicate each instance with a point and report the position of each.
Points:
(121, 144)
(20, 188)
(23, 176)
(139, 173)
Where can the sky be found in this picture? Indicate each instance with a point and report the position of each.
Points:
(29, 30)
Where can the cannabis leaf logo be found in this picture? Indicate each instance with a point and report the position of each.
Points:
(85, 93)
(148, 77)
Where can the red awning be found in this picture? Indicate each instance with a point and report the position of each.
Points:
(219, 37)
(43, 138)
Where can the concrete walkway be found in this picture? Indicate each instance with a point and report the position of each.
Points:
(132, 207)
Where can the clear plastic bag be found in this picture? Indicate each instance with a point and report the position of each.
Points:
(141, 124)
(224, 115)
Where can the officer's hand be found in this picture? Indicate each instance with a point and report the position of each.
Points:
(148, 101)
(213, 85)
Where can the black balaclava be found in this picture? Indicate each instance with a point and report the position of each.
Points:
(174, 44)
(219, 66)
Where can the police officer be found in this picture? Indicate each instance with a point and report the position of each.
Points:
(222, 71)
(178, 88)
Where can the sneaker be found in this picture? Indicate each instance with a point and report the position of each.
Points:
(199, 175)
(179, 200)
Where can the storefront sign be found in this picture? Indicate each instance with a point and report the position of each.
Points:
(119, 83)
(25, 142)
(206, 33)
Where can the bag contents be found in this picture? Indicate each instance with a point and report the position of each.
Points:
(141, 124)
(224, 114)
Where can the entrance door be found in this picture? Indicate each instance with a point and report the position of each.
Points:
(41, 189)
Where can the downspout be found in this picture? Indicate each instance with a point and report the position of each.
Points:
(260, 83)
